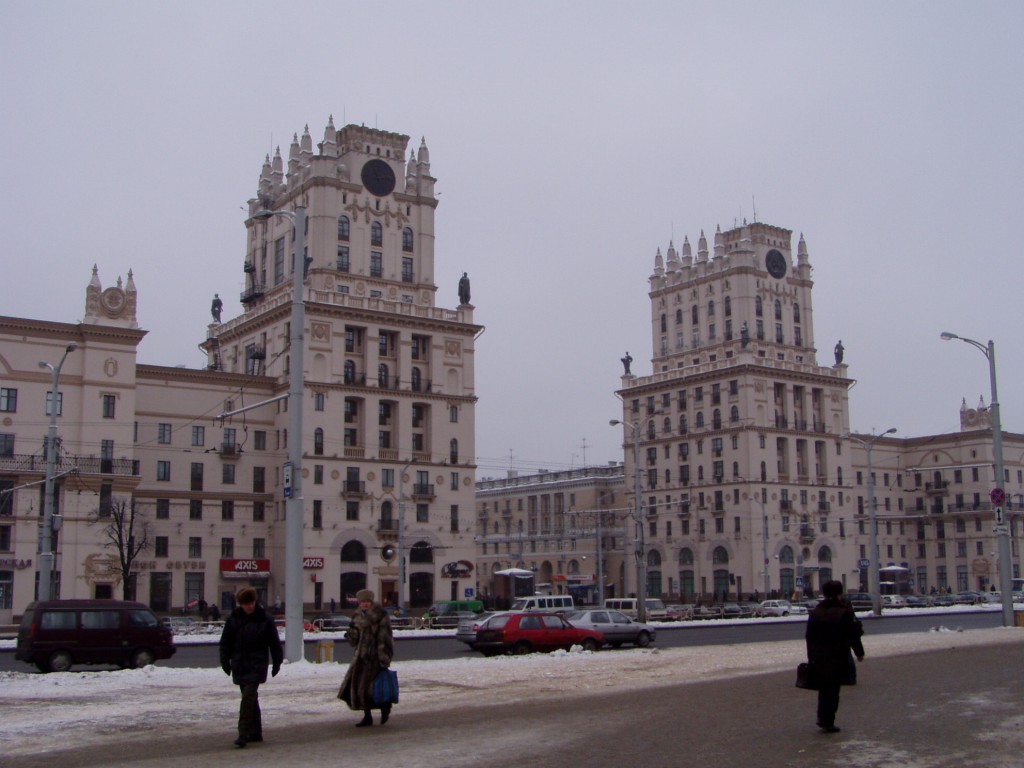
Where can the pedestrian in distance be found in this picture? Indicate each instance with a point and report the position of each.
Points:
(370, 635)
(833, 638)
(248, 645)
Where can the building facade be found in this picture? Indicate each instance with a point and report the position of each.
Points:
(555, 525)
(748, 481)
(388, 412)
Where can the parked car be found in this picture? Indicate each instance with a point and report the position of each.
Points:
(616, 627)
(967, 598)
(678, 612)
(468, 626)
(653, 607)
(894, 601)
(55, 634)
(943, 601)
(332, 622)
(521, 633)
(918, 601)
(779, 608)
(860, 601)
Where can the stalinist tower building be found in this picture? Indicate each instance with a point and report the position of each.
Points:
(741, 465)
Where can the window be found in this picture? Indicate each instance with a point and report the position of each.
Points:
(6, 444)
(344, 228)
(376, 234)
(195, 509)
(227, 474)
(227, 547)
(260, 440)
(453, 518)
(196, 476)
(318, 474)
(342, 262)
(259, 511)
(230, 442)
(163, 471)
(387, 478)
(259, 547)
(163, 433)
(279, 261)
(407, 269)
(422, 513)
(453, 451)
(163, 509)
(376, 264)
(259, 479)
(199, 436)
(453, 414)
(455, 481)
(195, 546)
(318, 514)
(318, 441)
(407, 240)
(160, 546)
(8, 399)
(227, 509)
(49, 403)
(109, 405)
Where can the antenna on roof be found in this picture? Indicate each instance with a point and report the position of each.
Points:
(753, 203)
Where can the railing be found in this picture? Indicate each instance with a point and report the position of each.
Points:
(86, 465)
(353, 487)
(423, 489)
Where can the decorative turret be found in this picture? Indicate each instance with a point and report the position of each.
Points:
(266, 184)
(306, 146)
(329, 147)
(801, 252)
(687, 252)
(702, 248)
(659, 264)
(719, 243)
(673, 257)
(426, 181)
(113, 306)
(294, 163)
(410, 174)
(277, 173)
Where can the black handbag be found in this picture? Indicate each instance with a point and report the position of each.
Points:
(806, 676)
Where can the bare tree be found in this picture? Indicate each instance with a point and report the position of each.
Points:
(126, 530)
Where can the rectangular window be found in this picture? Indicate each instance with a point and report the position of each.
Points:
(387, 478)
(163, 509)
(259, 511)
(259, 479)
(318, 514)
(163, 471)
(199, 436)
(195, 509)
(407, 269)
(109, 406)
(227, 547)
(422, 513)
(453, 519)
(6, 444)
(196, 476)
(227, 509)
(352, 510)
(259, 547)
(160, 546)
(259, 438)
(163, 433)
(195, 546)
(376, 264)
(318, 474)
(8, 399)
(342, 264)
(455, 481)
(279, 261)
(227, 474)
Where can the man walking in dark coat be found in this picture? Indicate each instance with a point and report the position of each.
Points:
(833, 631)
(249, 642)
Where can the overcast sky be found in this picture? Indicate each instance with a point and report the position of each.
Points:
(570, 141)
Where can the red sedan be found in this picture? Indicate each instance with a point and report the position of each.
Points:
(527, 632)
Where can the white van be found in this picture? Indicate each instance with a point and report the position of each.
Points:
(552, 603)
(627, 605)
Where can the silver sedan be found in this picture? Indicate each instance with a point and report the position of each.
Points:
(616, 627)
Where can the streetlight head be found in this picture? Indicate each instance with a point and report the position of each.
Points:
(890, 431)
(263, 215)
(947, 336)
(612, 423)
(43, 365)
(72, 347)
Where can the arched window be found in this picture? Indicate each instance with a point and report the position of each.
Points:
(778, 309)
(667, 425)
(796, 313)
(720, 556)
(407, 239)
(318, 442)
(453, 451)
(734, 414)
(758, 308)
(786, 554)
(382, 375)
(376, 234)
(350, 372)
(353, 552)
(573, 568)
(343, 228)
(825, 555)
(679, 317)
(700, 419)
(686, 556)
(421, 552)
(653, 558)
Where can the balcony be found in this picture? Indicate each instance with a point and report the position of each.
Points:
(230, 450)
(423, 490)
(353, 488)
(807, 534)
(86, 465)
(824, 506)
(942, 486)
(253, 292)
(785, 505)
(387, 529)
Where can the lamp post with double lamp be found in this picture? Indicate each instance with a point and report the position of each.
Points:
(873, 575)
(401, 536)
(293, 468)
(46, 553)
(638, 542)
(1001, 529)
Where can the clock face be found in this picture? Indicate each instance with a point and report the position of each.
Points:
(776, 264)
(378, 178)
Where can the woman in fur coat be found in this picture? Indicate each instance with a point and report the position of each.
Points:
(370, 636)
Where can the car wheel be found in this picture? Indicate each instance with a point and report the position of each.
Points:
(643, 639)
(521, 649)
(60, 661)
(142, 658)
(590, 644)
(785, 613)
(616, 645)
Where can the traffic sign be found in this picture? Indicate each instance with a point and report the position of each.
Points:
(998, 497)
(1000, 529)
(999, 516)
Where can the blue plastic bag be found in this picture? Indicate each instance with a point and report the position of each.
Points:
(385, 688)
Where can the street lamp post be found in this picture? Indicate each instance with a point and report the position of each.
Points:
(764, 545)
(294, 650)
(638, 548)
(46, 554)
(873, 576)
(1002, 530)
(401, 536)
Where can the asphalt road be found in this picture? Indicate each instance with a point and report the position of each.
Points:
(956, 708)
(691, 634)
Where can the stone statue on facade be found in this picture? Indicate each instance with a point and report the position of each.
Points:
(464, 289)
(626, 363)
(216, 307)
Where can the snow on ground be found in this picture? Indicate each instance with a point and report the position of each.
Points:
(87, 707)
